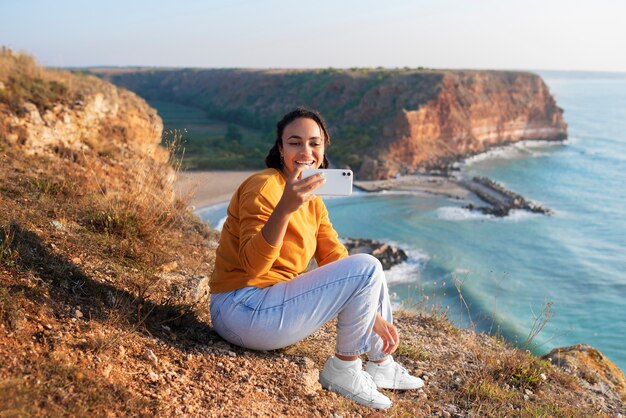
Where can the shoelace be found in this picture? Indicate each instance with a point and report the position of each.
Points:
(403, 370)
(369, 379)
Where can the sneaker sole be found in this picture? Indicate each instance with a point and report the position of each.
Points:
(386, 384)
(346, 393)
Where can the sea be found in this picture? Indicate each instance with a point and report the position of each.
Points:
(538, 281)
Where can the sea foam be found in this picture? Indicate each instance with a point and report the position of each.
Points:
(521, 149)
(455, 213)
(409, 270)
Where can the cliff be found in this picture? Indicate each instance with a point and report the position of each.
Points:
(382, 122)
(103, 306)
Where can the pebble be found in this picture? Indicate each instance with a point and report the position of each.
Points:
(151, 357)
(528, 392)
(153, 376)
(232, 354)
(543, 377)
(58, 225)
(78, 314)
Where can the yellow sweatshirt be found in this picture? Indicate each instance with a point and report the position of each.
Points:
(245, 258)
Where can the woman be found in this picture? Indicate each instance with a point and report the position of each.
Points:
(260, 298)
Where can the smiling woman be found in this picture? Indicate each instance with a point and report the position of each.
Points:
(262, 298)
(301, 134)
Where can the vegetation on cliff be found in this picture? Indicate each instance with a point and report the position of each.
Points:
(103, 313)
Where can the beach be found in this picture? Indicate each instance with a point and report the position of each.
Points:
(208, 188)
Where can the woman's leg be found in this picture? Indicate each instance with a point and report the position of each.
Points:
(351, 290)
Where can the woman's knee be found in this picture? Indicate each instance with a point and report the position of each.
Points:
(371, 265)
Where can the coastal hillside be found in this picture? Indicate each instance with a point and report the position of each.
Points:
(383, 121)
(103, 289)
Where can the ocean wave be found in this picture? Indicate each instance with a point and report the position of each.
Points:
(521, 149)
(220, 224)
(214, 214)
(409, 270)
(455, 213)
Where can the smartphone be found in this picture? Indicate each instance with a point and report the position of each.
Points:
(338, 181)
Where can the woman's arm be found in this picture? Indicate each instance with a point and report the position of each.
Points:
(329, 248)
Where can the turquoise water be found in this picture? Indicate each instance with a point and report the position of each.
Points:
(508, 269)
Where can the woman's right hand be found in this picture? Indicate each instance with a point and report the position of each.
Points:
(298, 191)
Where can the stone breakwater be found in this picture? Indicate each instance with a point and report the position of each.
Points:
(500, 199)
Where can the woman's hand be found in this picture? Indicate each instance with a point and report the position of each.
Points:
(388, 333)
(298, 191)
(295, 194)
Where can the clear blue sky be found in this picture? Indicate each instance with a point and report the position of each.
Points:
(486, 34)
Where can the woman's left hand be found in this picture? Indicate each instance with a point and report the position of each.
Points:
(388, 333)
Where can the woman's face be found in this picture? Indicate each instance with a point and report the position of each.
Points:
(303, 145)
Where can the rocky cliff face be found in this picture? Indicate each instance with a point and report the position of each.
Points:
(472, 112)
(382, 122)
(45, 111)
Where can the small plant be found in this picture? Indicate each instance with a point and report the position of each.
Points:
(523, 371)
(407, 350)
(488, 390)
(539, 322)
(7, 235)
(8, 309)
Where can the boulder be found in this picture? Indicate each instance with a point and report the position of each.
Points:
(594, 369)
(388, 255)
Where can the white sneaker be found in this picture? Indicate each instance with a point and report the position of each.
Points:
(348, 379)
(391, 375)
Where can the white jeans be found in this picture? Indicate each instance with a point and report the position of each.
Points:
(352, 290)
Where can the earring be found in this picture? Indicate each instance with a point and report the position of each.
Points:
(282, 161)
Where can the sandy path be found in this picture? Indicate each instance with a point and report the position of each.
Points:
(209, 187)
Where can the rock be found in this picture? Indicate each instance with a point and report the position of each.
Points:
(78, 314)
(388, 255)
(33, 113)
(590, 365)
(153, 376)
(59, 226)
(151, 357)
(310, 381)
(187, 290)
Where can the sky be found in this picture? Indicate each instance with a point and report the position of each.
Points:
(472, 34)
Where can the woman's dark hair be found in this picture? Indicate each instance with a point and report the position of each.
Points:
(273, 159)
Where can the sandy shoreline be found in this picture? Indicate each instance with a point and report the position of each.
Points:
(207, 188)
